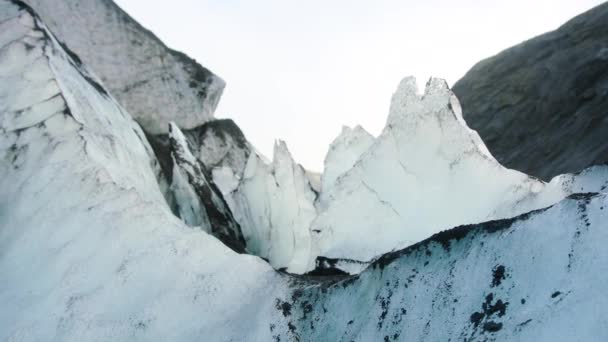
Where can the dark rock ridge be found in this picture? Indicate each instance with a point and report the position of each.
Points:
(541, 106)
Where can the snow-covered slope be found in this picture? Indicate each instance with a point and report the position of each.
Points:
(154, 83)
(426, 172)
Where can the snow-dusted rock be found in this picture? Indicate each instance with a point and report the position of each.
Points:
(153, 82)
(198, 200)
(426, 172)
(274, 205)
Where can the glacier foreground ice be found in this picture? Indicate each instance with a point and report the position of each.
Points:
(90, 250)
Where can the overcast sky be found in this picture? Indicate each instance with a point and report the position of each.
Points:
(299, 70)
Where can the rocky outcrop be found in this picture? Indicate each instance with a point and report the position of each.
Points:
(541, 106)
(153, 82)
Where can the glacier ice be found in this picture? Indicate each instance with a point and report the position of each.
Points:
(91, 251)
(274, 203)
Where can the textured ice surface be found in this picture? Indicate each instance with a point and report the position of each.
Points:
(274, 203)
(155, 84)
(533, 278)
(221, 146)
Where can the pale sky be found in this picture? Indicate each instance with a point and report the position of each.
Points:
(299, 70)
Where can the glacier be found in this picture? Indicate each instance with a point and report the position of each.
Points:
(111, 232)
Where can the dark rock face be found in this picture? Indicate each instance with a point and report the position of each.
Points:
(542, 106)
